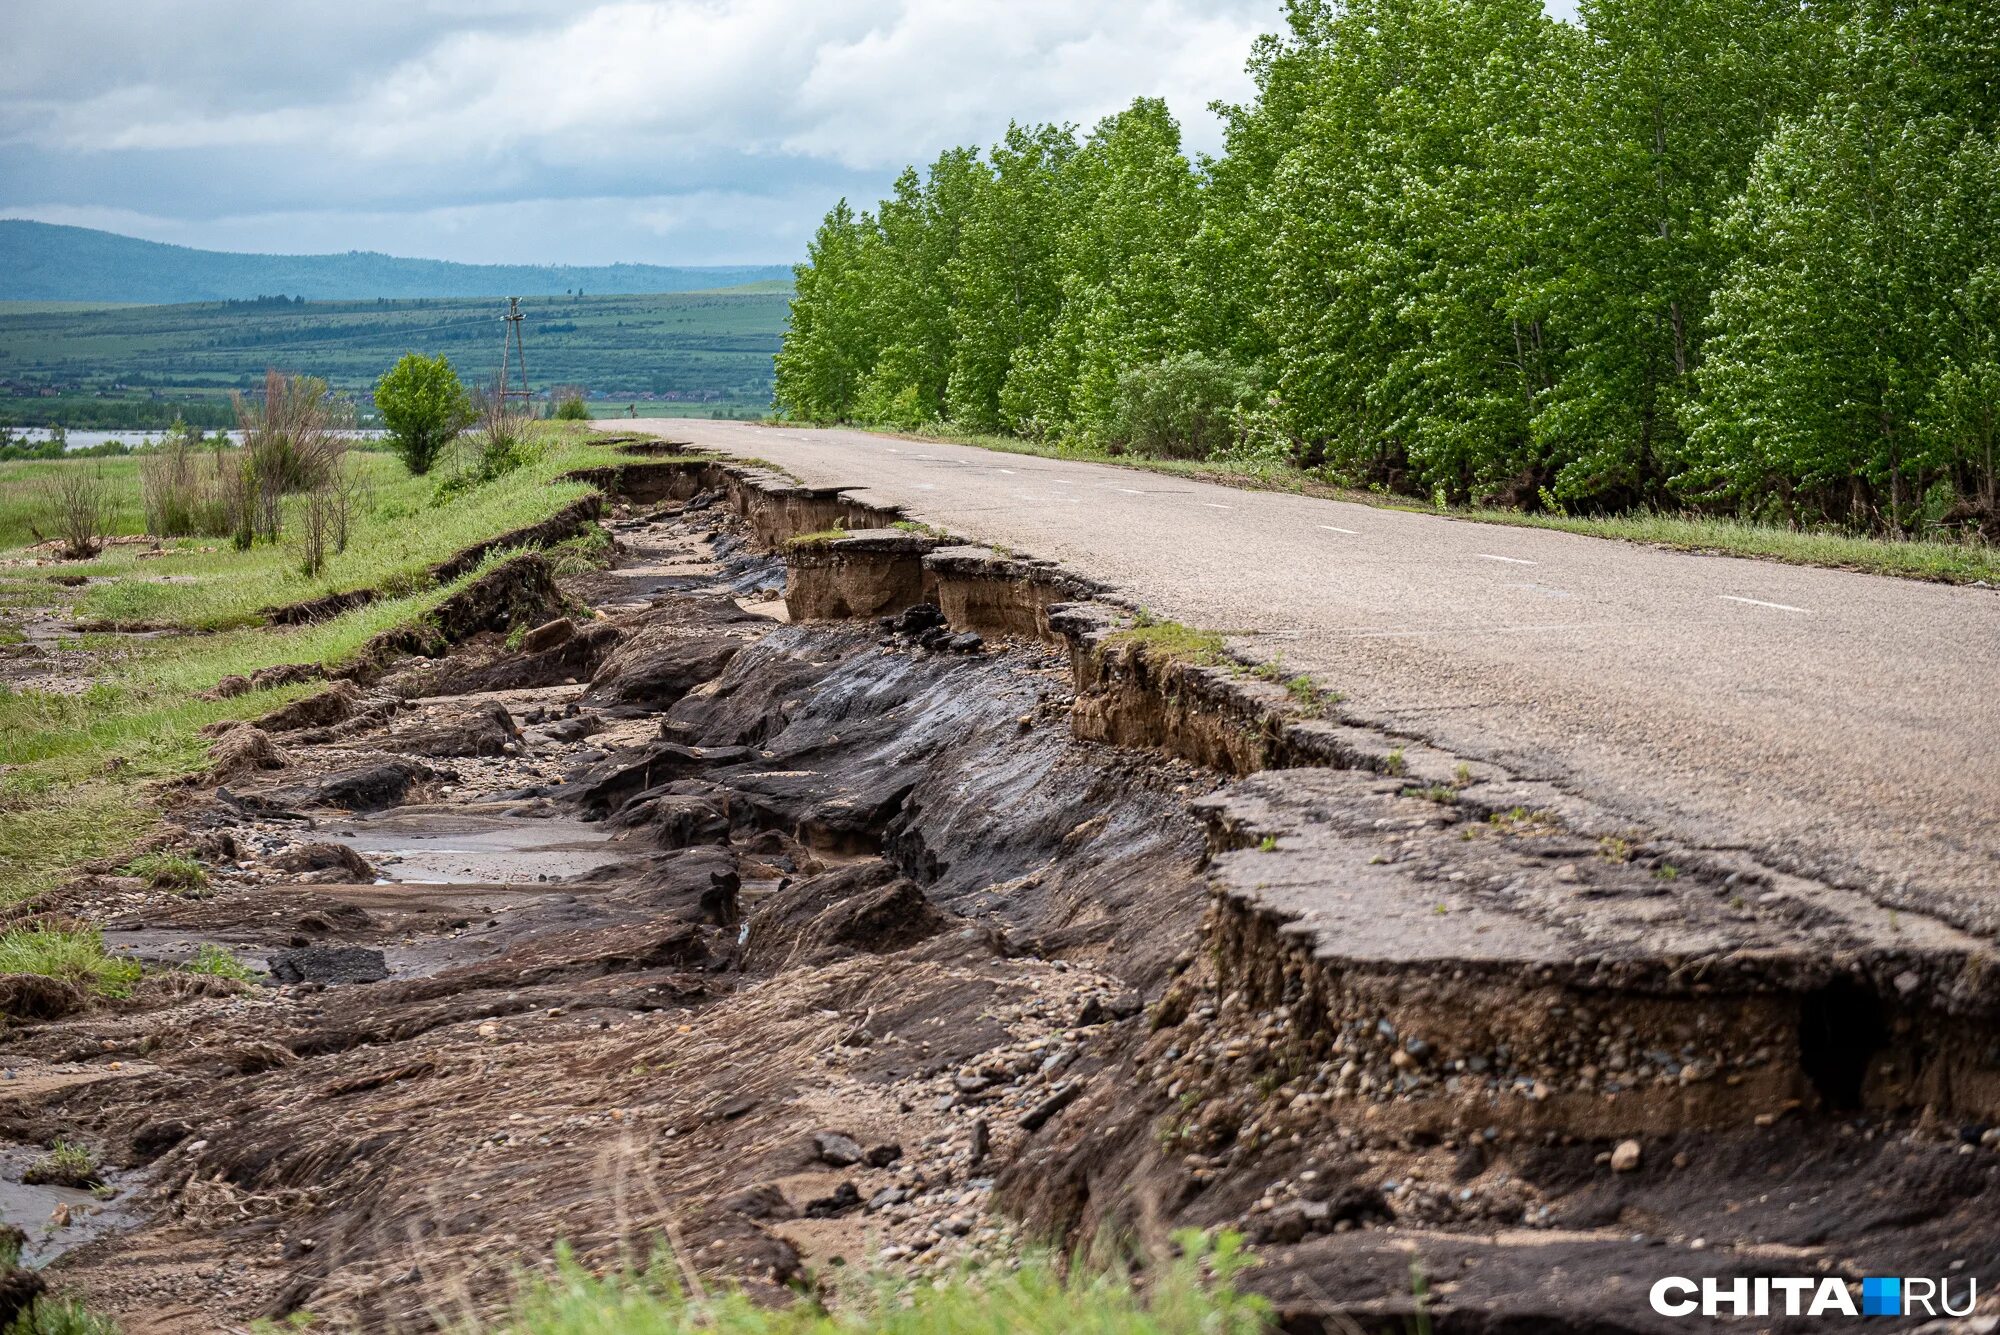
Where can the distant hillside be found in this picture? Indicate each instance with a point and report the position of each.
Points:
(43, 262)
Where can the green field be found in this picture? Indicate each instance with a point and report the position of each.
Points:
(126, 365)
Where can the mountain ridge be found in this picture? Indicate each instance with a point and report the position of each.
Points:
(55, 262)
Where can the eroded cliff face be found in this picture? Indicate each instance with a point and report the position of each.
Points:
(884, 896)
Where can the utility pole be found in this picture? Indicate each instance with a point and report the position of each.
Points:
(511, 351)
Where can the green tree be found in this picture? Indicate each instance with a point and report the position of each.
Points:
(1654, 139)
(1131, 204)
(1006, 289)
(1406, 245)
(424, 406)
(829, 346)
(1854, 362)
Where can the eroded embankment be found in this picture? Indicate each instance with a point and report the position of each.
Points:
(808, 940)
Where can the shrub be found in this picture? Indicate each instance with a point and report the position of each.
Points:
(182, 498)
(566, 404)
(424, 406)
(1181, 407)
(76, 504)
(292, 442)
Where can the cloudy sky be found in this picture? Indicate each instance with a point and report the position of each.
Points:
(541, 131)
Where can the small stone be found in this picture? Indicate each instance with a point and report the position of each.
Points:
(832, 1147)
(1625, 1159)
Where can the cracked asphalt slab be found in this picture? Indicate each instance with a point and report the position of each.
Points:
(1839, 725)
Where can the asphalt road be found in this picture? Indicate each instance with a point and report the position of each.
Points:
(1842, 725)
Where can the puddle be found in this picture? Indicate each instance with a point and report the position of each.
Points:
(435, 849)
(56, 1219)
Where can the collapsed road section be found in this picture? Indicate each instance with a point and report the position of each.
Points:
(810, 885)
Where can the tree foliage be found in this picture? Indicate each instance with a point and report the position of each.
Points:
(1738, 255)
(424, 406)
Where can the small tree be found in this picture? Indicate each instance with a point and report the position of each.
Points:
(424, 406)
(566, 404)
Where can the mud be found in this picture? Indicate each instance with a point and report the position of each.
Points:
(624, 933)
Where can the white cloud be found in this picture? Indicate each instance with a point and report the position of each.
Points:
(859, 82)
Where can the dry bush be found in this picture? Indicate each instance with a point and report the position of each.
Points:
(182, 498)
(76, 505)
(292, 443)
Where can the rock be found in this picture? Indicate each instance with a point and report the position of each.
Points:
(1100, 1009)
(881, 1156)
(957, 1225)
(833, 1147)
(653, 670)
(1038, 1116)
(328, 964)
(764, 1201)
(487, 729)
(1293, 1221)
(369, 788)
(885, 1198)
(915, 619)
(241, 751)
(1625, 1159)
(844, 1198)
(324, 857)
(982, 1140)
(547, 636)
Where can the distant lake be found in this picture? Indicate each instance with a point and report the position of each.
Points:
(83, 440)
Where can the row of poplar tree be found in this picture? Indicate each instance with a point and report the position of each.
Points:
(1741, 255)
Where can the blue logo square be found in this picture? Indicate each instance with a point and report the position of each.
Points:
(1881, 1297)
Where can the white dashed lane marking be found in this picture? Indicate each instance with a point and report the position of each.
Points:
(1213, 506)
(1331, 529)
(1510, 560)
(1759, 602)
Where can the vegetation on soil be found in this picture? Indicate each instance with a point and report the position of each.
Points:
(73, 954)
(74, 763)
(424, 406)
(1193, 1294)
(1170, 639)
(1723, 257)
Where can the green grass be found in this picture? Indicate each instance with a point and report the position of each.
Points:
(1192, 1295)
(74, 955)
(1943, 562)
(169, 871)
(65, 1159)
(401, 534)
(217, 962)
(1170, 639)
(20, 499)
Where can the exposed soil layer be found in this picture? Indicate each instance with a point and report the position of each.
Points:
(789, 939)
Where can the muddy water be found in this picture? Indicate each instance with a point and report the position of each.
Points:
(57, 1219)
(433, 847)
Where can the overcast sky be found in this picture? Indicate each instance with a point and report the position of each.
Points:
(542, 131)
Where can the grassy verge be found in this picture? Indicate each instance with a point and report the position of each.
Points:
(1192, 1295)
(402, 531)
(1941, 562)
(74, 768)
